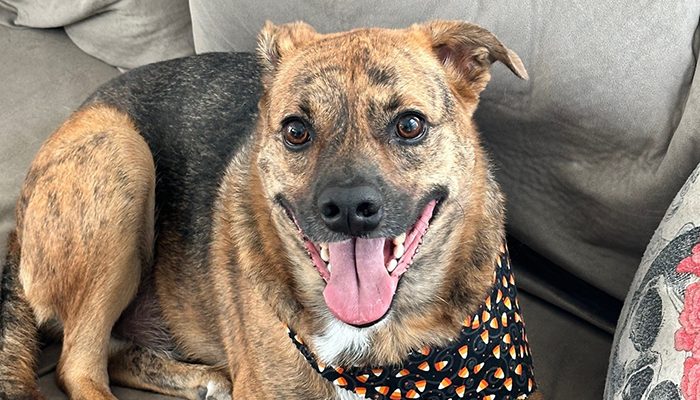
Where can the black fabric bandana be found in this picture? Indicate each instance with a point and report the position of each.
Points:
(490, 360)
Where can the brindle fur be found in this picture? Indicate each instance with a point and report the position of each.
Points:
(157, 207)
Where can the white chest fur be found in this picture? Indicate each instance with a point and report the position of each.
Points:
(339, 338)
(347, 395)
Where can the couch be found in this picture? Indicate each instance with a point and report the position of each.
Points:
(590, 151)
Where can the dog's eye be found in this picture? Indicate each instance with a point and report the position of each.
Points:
(296, 133)
(410, 126)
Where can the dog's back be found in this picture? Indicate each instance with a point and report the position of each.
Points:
(194, 113)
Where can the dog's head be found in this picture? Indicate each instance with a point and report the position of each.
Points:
(370, 162)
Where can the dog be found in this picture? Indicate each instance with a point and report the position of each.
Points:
(318, 223)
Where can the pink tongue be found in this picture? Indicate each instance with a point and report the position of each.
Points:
(360, 289)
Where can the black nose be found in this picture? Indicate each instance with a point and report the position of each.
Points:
(353, 210)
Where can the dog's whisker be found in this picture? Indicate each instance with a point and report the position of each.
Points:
(461, 208)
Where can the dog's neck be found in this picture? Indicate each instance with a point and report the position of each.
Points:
(490, 358)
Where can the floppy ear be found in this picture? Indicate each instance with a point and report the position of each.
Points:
(275, 42)
(468, 51)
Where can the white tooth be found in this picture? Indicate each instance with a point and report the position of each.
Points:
(400, 239)
(329, 267)
(325, 255)
(399, 250)
(392, 265)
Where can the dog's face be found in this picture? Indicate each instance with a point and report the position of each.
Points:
(370, 162)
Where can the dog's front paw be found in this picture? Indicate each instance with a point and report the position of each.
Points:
(215, 390)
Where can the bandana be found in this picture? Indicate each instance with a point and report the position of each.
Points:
(489, 360)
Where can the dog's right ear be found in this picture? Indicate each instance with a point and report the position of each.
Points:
(467, 52)
(275, 42)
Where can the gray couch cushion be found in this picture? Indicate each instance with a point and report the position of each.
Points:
(123, 33)
(592, 149)
(44, 78)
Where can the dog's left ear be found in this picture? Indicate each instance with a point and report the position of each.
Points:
(467, 51)
(276, 42)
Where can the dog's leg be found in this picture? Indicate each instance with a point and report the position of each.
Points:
(18, 334)
(136, 367)
(85, 226)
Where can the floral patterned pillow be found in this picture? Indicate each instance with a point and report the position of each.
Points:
(688, 336)
(656, 351)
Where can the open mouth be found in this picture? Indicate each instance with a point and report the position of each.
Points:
(362, 274)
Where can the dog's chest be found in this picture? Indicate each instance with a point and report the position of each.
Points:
(347, 395)
(339, 338)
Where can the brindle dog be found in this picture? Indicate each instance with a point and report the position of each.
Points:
(191, 209)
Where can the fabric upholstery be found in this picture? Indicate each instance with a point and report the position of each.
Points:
(592, 149)
(123, 33)
(656, 352)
